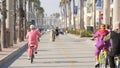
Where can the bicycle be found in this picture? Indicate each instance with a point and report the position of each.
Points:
(32, 52)
(117, 61)
(103, 59)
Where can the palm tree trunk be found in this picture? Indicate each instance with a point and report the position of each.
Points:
(69, 11)
(65, 16)
(28, 18)
(9, 26)
(116, 12)
(15, 38)
(22, 25)
(25, 24)
(3, 25)
(81, 14)
(106, 13)
(94, 15)
(19, 20)
(74, 25)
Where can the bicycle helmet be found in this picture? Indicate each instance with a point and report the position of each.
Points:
(32, 26)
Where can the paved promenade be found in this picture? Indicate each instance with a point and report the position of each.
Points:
(68, 51)
(9, 53)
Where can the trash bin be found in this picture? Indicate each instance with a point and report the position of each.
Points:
(90, 28)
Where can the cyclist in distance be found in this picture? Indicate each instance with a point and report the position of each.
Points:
(32, 37)
(100, 44)
(114, 36)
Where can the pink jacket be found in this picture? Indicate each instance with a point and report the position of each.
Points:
(32, 36)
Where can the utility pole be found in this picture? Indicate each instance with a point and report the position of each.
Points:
(3, 24)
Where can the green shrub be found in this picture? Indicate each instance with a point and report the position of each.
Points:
(84, 33)
(74, 32)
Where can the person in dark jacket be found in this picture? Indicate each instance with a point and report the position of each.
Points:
(114, 36)
(57, 31)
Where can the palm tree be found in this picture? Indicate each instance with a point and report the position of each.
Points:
(39, 9)
(81, 14)
(3, 25)
(9, 26)
(61, 9)
(69, 11)
(20, 20)
(74, 25)
(29, 7)
(63, 4)
(25, 20)
(15, 38)
(94, 14)
(106, 10)
(116, 12)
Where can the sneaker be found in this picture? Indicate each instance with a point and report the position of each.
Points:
(28, 58)
(97, 65)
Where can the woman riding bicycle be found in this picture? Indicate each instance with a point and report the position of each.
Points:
(32, 37)
(100, 42)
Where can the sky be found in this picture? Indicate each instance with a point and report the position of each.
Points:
(50, 6)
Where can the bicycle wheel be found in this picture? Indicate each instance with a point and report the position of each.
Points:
(106, 62)
(32, 56)
(117, 63)
(102, 60)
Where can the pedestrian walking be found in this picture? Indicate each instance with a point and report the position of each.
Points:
(114, 36)
(52, 35)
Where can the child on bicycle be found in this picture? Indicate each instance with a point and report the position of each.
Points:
(100, 42)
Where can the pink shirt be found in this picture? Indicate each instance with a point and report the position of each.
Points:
(32, 36)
